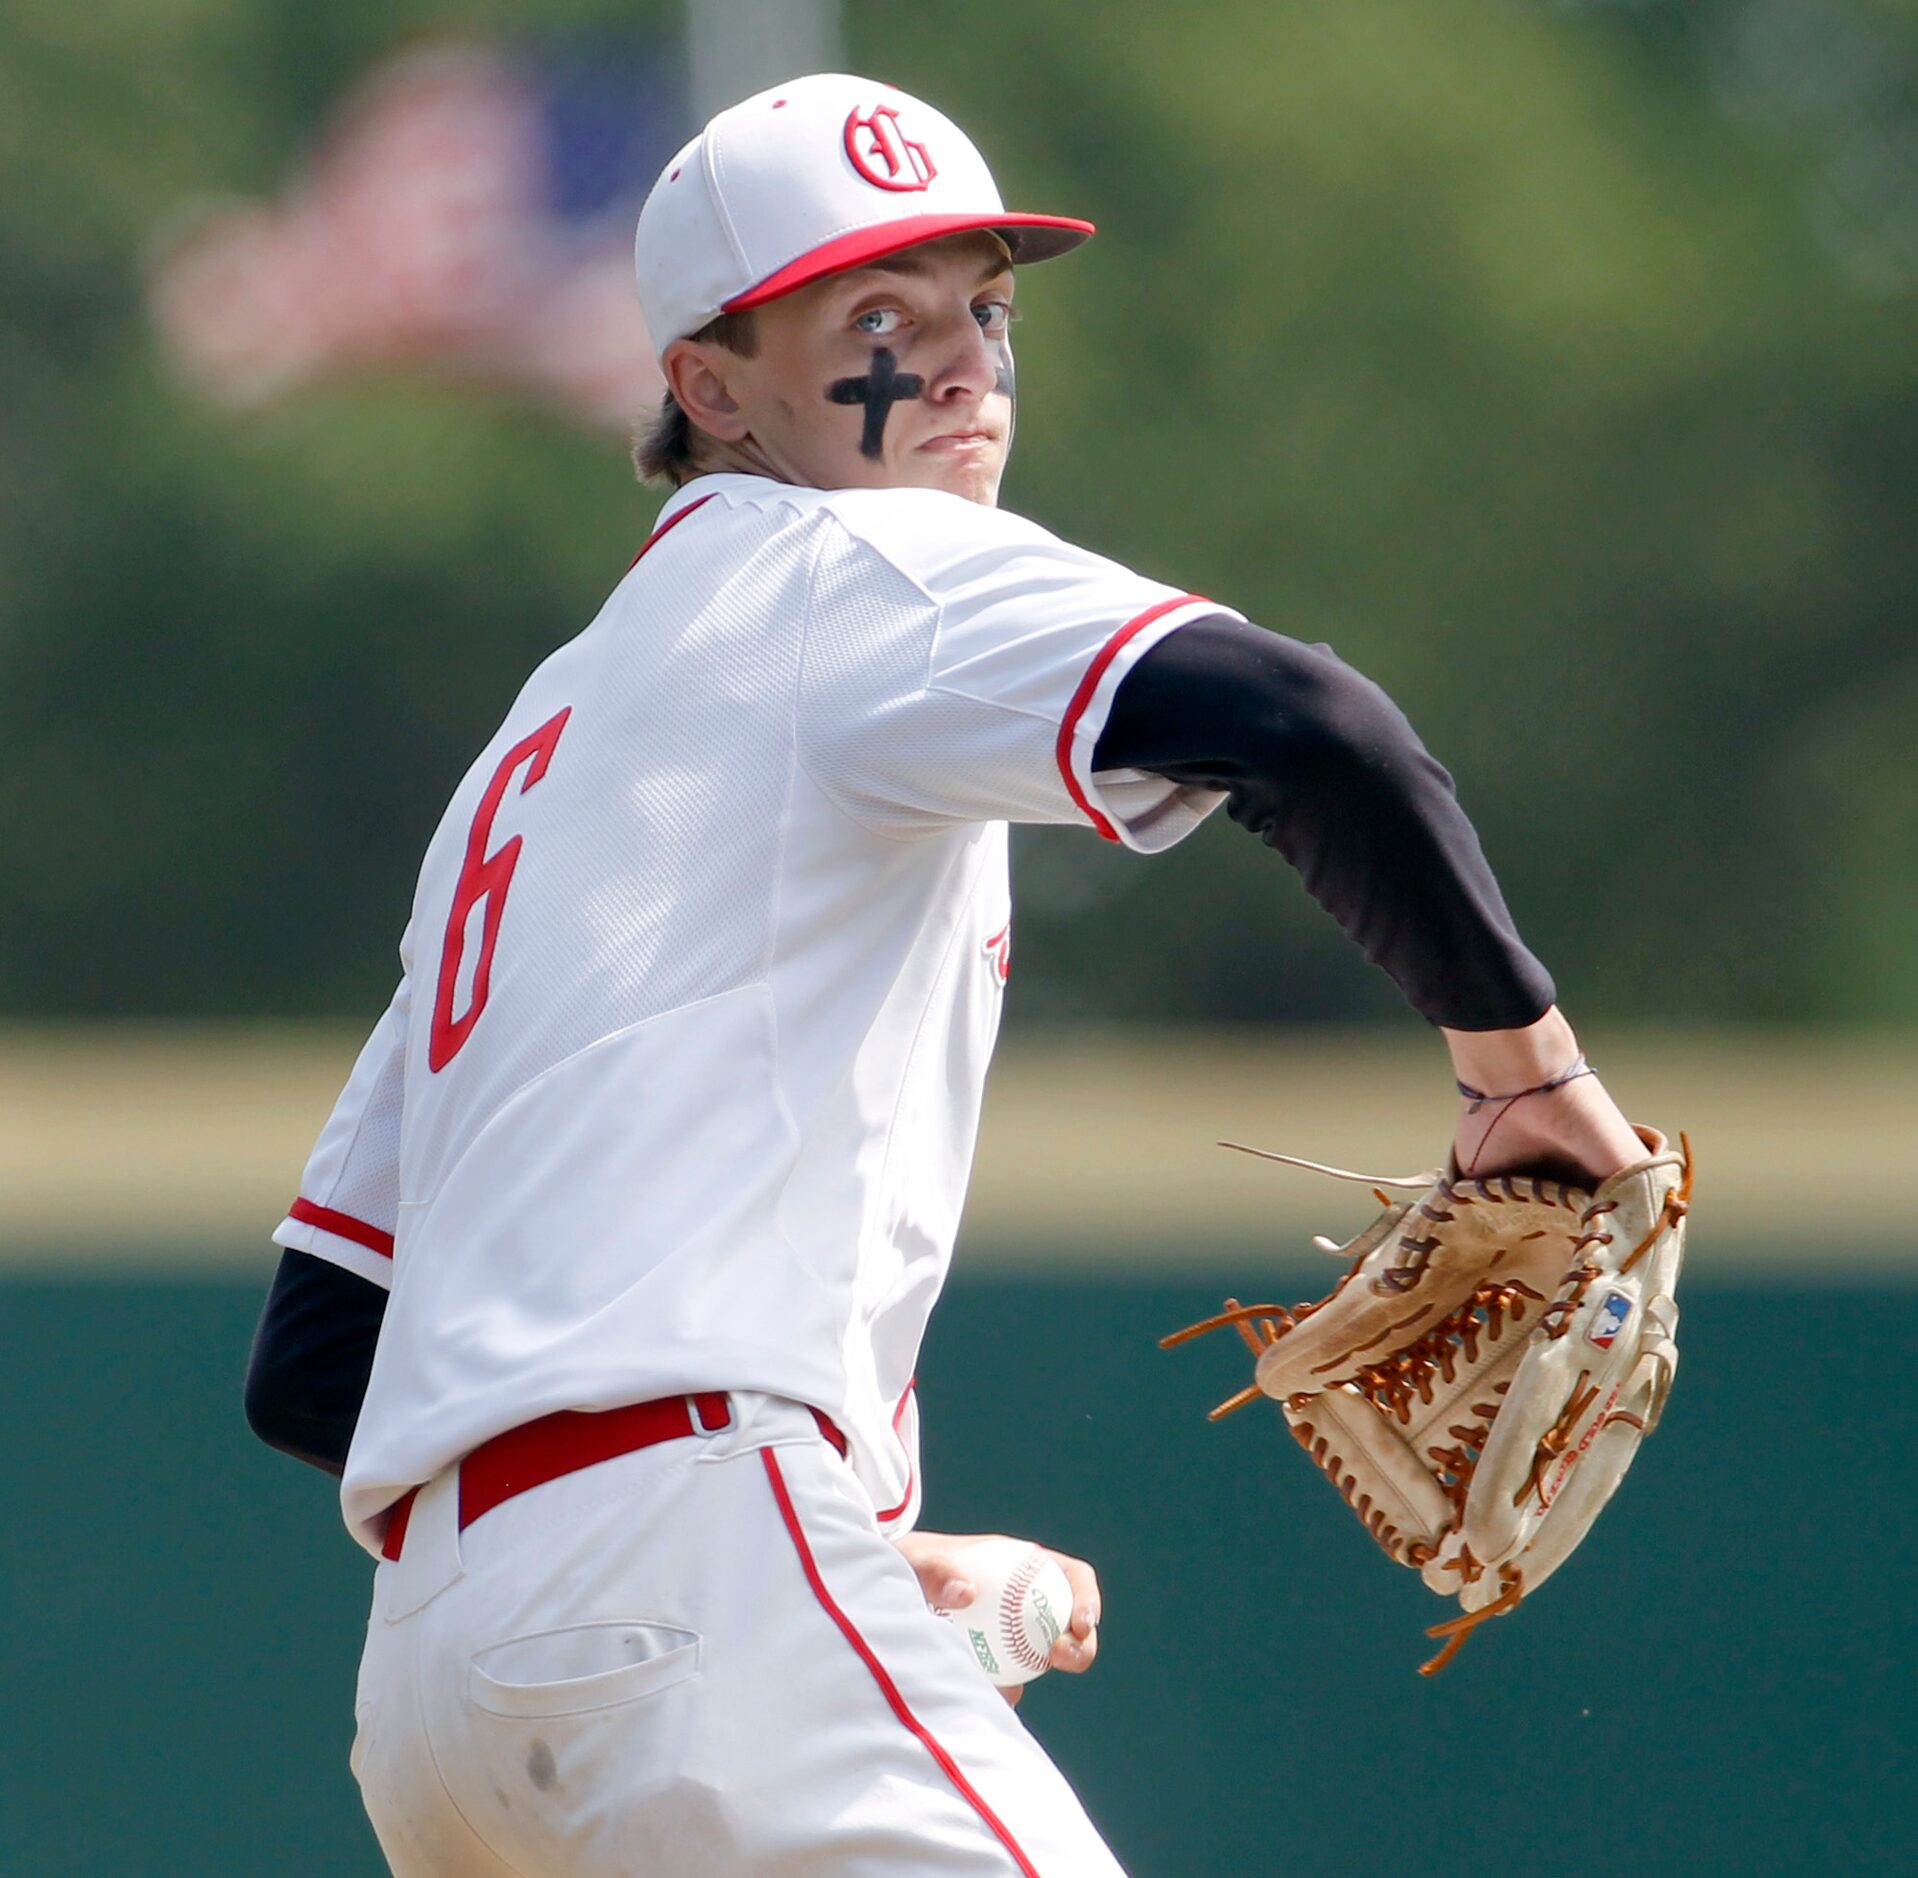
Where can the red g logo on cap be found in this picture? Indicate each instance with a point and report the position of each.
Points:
(883, 154)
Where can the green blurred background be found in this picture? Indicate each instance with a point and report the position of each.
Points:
(1554, 361)
(1720, 1682)
(1557, 360)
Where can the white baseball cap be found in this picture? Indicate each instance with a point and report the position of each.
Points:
(811, 178)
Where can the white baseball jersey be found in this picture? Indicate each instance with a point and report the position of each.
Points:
(680, 1086)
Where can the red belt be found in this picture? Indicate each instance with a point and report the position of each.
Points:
(543, 1450)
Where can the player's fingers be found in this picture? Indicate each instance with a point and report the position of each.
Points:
(943, 1585)
(1074, 1654)
(1013, 1694)
(1087, 1607)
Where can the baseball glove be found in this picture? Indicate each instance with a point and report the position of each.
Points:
(1479, 1380)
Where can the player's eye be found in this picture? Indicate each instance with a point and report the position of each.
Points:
(880, 322)
(994, 316)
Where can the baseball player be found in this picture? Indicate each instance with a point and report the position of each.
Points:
(607, 1276)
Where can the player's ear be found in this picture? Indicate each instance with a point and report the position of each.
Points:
(698, 377)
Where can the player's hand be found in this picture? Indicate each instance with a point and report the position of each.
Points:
(1575, 1131)
(939, 1559)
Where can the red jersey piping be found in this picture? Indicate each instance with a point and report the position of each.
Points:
(342, 1226)
(666, 527)
(887, 1687)
(1069, 726)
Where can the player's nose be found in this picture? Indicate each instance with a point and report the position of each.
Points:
(969, 367)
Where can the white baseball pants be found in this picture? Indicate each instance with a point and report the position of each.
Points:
(700, 1660)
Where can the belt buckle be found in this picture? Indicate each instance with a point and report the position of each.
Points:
(697, 1407)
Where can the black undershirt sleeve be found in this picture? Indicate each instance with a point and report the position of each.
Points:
(1320, 764)
(312, 1355)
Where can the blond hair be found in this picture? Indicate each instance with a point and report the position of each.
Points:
(666, 450)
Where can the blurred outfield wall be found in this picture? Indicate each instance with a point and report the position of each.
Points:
(1719, 1685)
(1732, 1647)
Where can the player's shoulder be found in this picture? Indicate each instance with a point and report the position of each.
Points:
(914, 525)
(943, 542)
(943, 545)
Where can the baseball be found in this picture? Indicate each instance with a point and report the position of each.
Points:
(1021, 1603)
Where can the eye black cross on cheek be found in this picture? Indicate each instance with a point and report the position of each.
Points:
(880, 389)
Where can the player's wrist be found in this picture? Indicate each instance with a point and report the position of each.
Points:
(1500, 1061)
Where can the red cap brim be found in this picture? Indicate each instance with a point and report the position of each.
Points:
(1030, 237)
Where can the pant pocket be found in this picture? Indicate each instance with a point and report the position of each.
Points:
(562, 1745)
(581, 1667)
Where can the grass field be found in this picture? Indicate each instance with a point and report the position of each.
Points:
(183, 1147)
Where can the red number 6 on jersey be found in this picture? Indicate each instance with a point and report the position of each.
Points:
(485, 877)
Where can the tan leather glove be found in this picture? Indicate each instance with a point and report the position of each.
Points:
(1481, 1377)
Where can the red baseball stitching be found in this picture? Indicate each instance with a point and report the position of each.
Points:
(1018, 1644)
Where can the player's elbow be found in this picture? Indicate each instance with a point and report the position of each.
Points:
(272, 1399)
(312, 1357)
(282, 1410)
(263, 1397)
